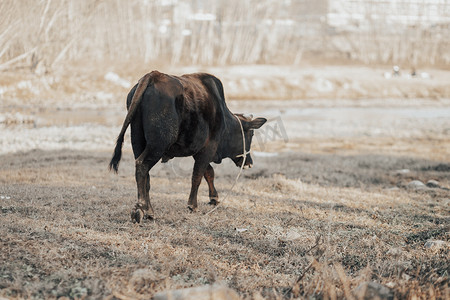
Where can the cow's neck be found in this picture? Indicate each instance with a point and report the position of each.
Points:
(230, 144)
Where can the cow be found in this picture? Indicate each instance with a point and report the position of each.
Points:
(180, 116)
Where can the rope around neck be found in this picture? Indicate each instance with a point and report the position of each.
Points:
(244, 155)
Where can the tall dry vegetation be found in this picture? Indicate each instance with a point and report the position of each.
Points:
(174, 31)
(414, 32)
(214, 32)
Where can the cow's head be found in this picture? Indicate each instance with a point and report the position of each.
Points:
(248, 125)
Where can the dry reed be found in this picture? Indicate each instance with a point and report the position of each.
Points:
(52, 33)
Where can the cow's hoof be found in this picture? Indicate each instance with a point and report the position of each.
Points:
(192, 208)
(137, 215)
(213, 201)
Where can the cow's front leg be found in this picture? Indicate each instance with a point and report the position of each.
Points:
(209, 176)
(197, 175)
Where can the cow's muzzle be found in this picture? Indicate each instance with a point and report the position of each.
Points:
(240, 159)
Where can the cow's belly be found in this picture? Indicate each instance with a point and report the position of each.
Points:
(188, 146)
(177, 150)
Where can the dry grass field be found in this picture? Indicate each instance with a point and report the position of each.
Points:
(315, 220)
(66, 230)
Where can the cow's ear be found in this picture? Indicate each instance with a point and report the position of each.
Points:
(256, 123)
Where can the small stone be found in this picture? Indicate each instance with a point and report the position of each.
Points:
(402, 171)
(394, 252)
(394, 188)
(435, 244)
(433, 184)
(290, 236)
(373, 290)
(416, 184)
(406, 276)
(206, 292)
(391, 284)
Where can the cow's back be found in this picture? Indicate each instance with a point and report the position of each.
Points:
(188, 107)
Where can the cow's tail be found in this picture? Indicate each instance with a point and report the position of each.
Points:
(142, 85)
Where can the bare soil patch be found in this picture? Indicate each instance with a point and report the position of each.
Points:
(93, 86)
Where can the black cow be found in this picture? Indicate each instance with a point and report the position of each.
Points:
(176, 116)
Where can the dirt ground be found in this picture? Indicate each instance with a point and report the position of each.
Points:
(333, 200)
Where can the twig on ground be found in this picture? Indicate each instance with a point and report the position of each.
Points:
(318, 238)
(311, 264)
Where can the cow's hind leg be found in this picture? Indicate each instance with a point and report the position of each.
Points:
(144, 163)
(209, 176)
